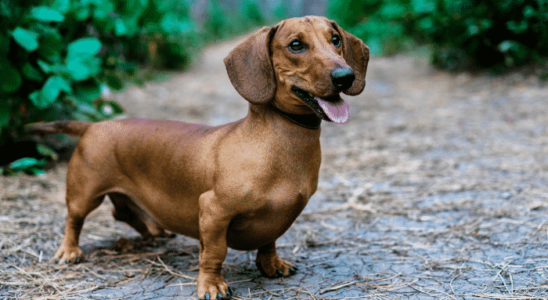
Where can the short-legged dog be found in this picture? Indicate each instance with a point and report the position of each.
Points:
(240, 185)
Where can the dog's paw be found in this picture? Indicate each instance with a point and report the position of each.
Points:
(68, 255)
(212, 287)
(274, 267)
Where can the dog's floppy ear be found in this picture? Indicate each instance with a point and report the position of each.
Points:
(356, 54)
(250, 69)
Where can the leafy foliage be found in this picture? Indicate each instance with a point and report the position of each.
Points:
(491, 34)
(57, 56)
(487, 33)
(28, 165)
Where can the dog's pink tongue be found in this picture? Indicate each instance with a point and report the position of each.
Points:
(338, 112)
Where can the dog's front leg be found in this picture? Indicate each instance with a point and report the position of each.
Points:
(271, 265)
(214, 221)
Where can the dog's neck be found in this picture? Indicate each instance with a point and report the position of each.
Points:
(308, 121)
(263, 117)
(271, 130)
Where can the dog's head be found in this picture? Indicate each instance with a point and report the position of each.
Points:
(302, 65)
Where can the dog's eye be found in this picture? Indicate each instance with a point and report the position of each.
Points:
(296, 46)
(336, 41)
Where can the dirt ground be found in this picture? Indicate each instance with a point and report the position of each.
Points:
(435, 189)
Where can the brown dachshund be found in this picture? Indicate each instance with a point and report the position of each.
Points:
(240, 185)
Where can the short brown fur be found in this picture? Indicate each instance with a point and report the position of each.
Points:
(240, 185)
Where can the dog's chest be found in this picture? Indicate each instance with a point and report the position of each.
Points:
(269, 221)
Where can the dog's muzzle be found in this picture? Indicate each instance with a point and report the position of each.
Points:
(333, 109)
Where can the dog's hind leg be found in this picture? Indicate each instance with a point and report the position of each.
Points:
(69, 252)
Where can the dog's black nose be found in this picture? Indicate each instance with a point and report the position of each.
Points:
(342, 78)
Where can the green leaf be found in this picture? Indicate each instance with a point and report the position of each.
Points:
(62, 6)
(516, 27)
(43, 100)
(53, 87)
(516, 53)
(10, 79)
(528, 12)
(120, 28)
(82, 69)
(50, 91)
(25, 163)
(46, 151)
(89, 111)
(506, 46)
(44, 66)
(78, 69)
(82, 13)
(46, 14)
(35, 171)
(26, 38)
(60, 83)
(35, 98)
(473, 29)
(101, 8)
(426, 24)
(31, 73)
(115, 82)
(85, 47)
(81, 63)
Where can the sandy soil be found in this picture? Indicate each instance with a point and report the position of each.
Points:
(435, 189)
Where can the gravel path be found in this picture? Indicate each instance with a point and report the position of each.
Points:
(435, 189)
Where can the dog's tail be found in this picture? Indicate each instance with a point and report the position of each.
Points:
(75, 128)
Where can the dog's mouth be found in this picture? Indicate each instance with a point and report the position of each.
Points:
(333, 109)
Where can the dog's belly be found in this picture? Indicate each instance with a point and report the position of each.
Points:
(177, 214)
(181, 222)
(172, 204)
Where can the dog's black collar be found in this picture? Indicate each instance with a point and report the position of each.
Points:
(310, 121)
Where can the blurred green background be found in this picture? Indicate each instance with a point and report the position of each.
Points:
(464, 34)
(59, 57)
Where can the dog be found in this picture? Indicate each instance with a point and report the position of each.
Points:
(239, 185)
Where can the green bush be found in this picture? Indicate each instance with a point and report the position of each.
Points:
(159, 33)
(57, 56)
(495, 34)
(488, 33)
